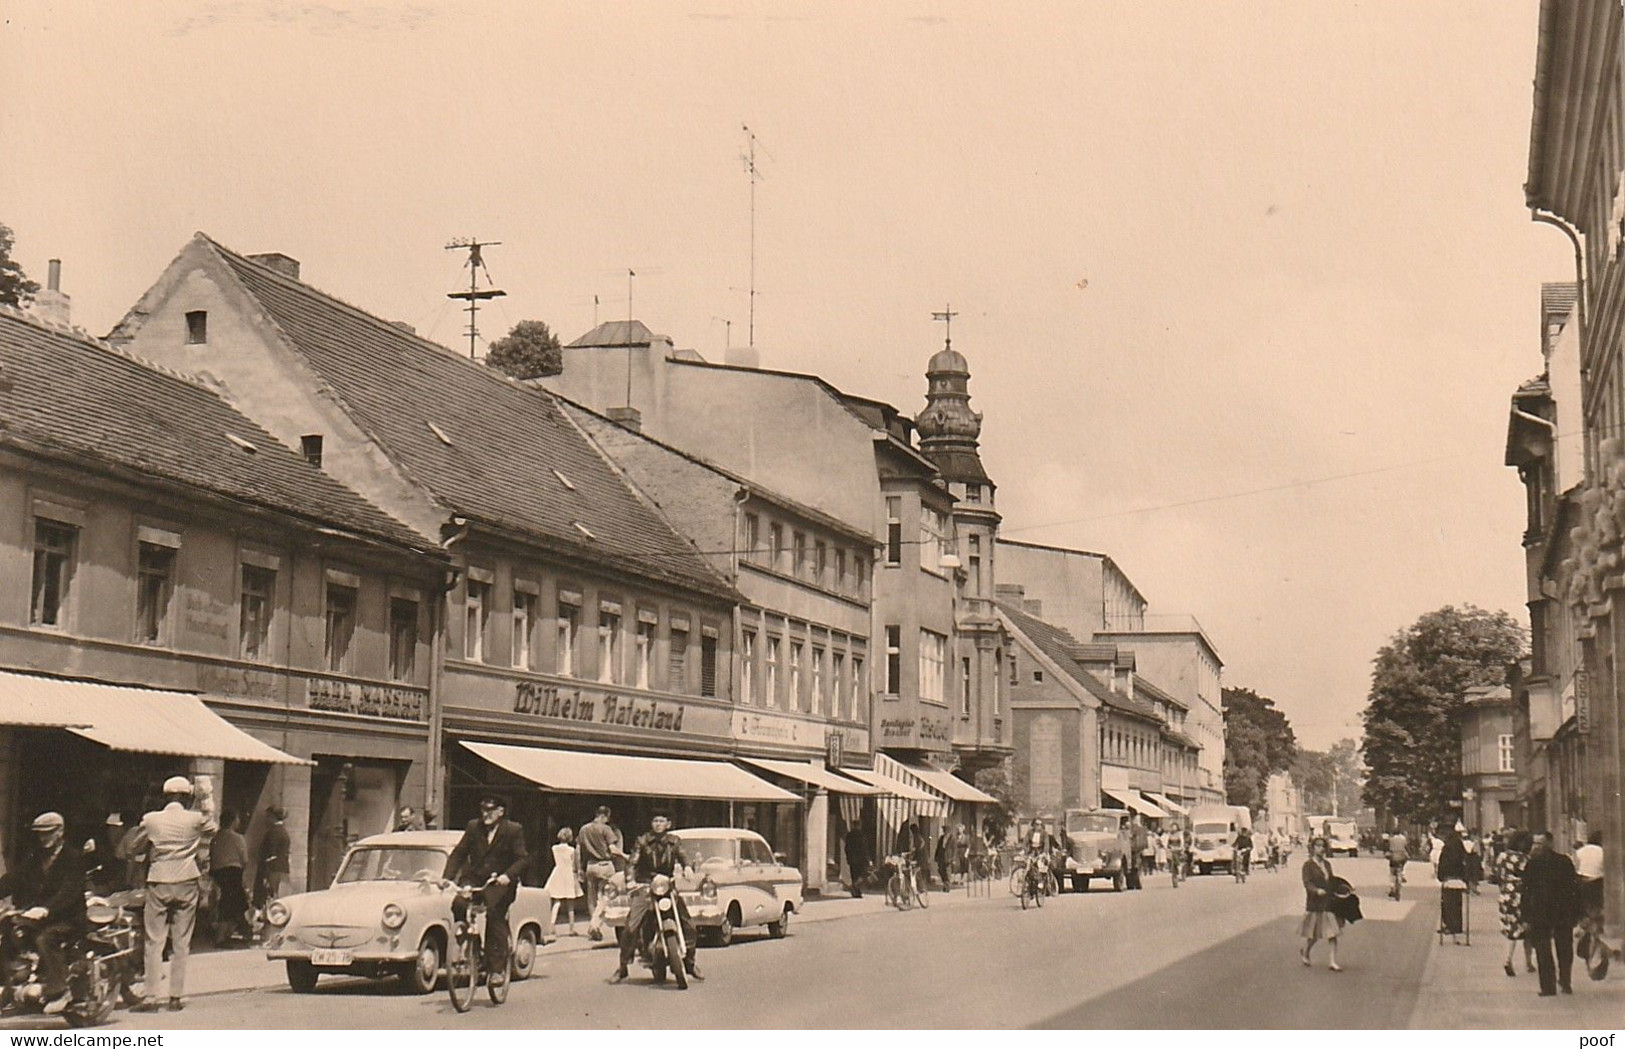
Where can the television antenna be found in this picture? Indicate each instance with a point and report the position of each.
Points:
(475, 294)
(754, 174)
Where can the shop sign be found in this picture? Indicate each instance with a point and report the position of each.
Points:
(540, 699)
(834, 748)
(353, 697)
(924, 732)
(1582, 701)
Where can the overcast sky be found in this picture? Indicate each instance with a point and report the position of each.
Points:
(1245, 287)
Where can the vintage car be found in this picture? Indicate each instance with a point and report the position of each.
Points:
(1097, 844)
(736, 881)
(386, 915)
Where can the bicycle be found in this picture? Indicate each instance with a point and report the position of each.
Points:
(463, 968)
(1035, 878)
(1590, 947)
(903, 887)
(1238, 866)
(1396, 878)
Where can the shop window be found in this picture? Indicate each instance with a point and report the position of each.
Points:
(839, 707)
(54, 549)
(774, 646)
(747, 667)
(894, 530)
(708, 665)
(609, 644)
(254, 615)
(524, 629)
(569, 629)
(933, 664)
(644, 654)
(340, 628)
(795, 701)
(476, 617)
(677, 660)
(403, 639)
(894, 660)
(860, 692)
(816, 699)
(155, 586)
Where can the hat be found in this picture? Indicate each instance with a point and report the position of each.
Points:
(115, 820)
(500, 800)
(48, 821)
(177, 785)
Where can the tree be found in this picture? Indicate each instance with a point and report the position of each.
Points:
(15, 287)
(1321, 773)
(1258, 741)
(529, 351)
(1412, 717)
(995, 780)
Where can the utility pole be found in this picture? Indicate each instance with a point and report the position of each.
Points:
(474, 295)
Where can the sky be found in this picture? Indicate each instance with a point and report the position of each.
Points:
(1245, 287)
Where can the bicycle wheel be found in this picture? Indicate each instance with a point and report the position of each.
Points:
(896, 895)
(1018, 879)
(496, 983)
(463, 972)
(1023, 893)
(921, 896)
(1039, 892)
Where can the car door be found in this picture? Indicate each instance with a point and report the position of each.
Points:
(757, 900)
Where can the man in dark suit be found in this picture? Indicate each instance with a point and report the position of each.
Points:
(1550, 906)
(493, 846)
(857, 858)
(49, 888)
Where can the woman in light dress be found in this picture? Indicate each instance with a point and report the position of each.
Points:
(562, 884)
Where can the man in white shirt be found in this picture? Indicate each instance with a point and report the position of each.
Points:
(171, 838)
(1588, 865)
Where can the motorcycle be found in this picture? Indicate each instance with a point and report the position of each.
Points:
(91, 993)
(661, 946)
(118, 935)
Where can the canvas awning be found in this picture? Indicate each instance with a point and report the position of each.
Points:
(1167, 803)
(122, 717)
(892, 787)
(580, 772)
(951, 785)
(1132, 800)
(813, 776)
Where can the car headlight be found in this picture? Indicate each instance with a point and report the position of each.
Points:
(277, 913)
(708, 888)
(394, 916)
(661, 884)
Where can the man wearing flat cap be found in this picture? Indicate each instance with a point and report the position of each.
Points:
(49, 888)
(493, 846)
(171, 839)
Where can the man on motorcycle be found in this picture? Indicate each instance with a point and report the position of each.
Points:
(49, 888)
(656, 852)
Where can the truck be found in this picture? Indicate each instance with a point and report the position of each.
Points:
(1097, 846)
(1342, 834)
(1213, 834)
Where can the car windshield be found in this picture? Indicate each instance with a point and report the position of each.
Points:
(708, 852)
(1345, 830)
(1213, 828)
(1082, 823)
(383, 863)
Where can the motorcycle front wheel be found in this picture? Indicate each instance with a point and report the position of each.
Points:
(93, 998)
(674, 951)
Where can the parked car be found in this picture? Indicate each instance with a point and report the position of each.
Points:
(1097, 846)
(386, 915)
(737, 882)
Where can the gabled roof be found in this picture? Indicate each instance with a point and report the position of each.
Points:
(1156, 694)
(1058, 644)
(618, 333)
(483, 445)
(63, 393)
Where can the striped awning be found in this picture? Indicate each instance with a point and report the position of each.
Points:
(813, 776)
(583, 772)
(1132, 800)
(1167, 803)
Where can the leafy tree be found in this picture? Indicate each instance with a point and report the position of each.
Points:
(15, 287)
(1258, 740)
(1412, 717)
(1321, 772)
(529, 351)
(995, 780)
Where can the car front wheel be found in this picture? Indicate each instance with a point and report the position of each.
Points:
(781, 928)
(424, 973)
(723, 934)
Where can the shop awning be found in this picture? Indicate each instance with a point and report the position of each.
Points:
(580, 772)
(947, 783)
(1132, 800)
(1164, 802)
(120, 717)
(892, 787)
(812, 775)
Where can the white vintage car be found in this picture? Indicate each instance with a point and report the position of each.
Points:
(737, 882)
(386, 915)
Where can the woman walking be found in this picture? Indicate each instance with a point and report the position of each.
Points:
(562, 883)
(1509, 867)
(1319, 923)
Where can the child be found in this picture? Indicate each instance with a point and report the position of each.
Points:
(562, 883)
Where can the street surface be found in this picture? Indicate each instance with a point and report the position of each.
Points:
(1212, 953)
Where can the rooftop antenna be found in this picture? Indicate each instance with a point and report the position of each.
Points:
(946, 315)
(474, 295)
(595, 311)
(755, 175)
(629, 276)
(727, 332)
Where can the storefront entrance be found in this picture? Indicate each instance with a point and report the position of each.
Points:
(349, 800)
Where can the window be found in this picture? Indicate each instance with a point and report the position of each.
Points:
(1505, 751)
(820, 564)
(53, 570)
(1038, 675)
(998, 683)
(800, 568)
(609, 644)
(964, 687)
(1015, 672)
(933, 664)
(775, 550)
(644, 655)
(894, 660)
(795, 677)
(254, 613)
(860, 691)
(933, 527)
(973, 493)
(403, 639)
(677, 659)
(569, 627)
(340, 628)
(860, 572)
(815, 701)
(310, 446)
(197, 327)
(840, 569)
(476, 615)
(753, 537)
(524, 629)
(976, 566)
(838, 705)
(773, 648)
(708, 665)
(155, 584)
(747, 667)
(894, 530)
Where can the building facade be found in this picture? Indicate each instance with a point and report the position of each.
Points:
(1489, 780)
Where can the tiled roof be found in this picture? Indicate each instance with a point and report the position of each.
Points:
(1142, 685)
(1058, 645)
(483, 445)
(617, 333)
(64, 393)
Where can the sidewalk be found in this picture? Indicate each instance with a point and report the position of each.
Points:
(226, 971)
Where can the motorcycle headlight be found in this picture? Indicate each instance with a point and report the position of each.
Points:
(277, 913)
(394, 916)
(661, 884)
(708, 888)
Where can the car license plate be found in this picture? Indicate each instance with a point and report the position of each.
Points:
(328, 956)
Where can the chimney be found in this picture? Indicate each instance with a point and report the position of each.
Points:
(1033, 608)
(50, 304)
(627, 416)
(1010, 593)
(286, 265)
(402, 325)
(742, 357)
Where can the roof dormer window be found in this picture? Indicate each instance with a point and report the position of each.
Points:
(197, 327)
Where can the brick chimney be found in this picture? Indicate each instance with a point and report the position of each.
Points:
(286, 265)
(51, 304)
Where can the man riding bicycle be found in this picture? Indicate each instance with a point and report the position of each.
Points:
(492, 851)
(1243, 852)
(1398, 854)
(656, 852)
